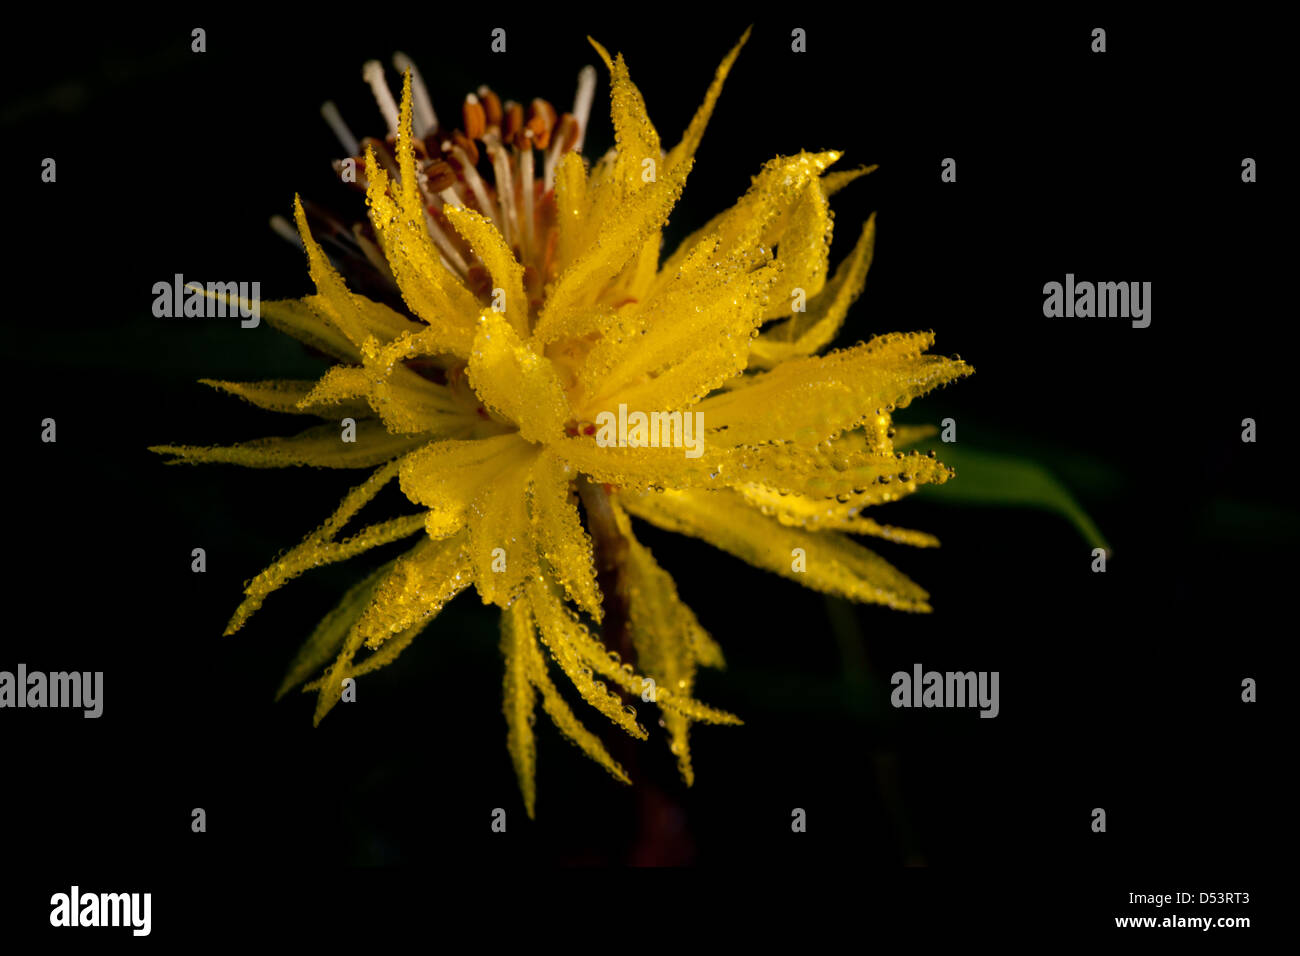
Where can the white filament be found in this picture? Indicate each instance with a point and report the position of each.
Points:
(344, 135)
(423, 119)
(373, 73)
(582, 101)
(286, 231)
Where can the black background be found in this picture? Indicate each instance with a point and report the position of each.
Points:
(1119, 690)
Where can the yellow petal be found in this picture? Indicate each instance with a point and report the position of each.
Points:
(287, 395)
(669, 645)
(428, 287)
(828, 514)
(911, 434)
(320, 547)
(561, 538)
(355, 316)
(329, 685)
(580, 285)
(641, 467)
(834, 182)
(761, 216)
(639, 274)
(321, 447)
(406, 402)
(410, 404)
(636, 159)
(558, 627)
(834, 564)
(853, 478)
(313, 554)
(506, 271)
(502, 552)
(574, 323)
(516, 382)
(625, 203)
(340, 383)
(445, 476)
(563, 717)
(419, 586)
(324, 641)
(516, 638)
(810, 399)
(803, 250)
(695, 132)
(306, 320)
(572, 208)
(691, 335)
(388, 651)
(635, 140)
(427, 340)
(711, 291)
(807, 332)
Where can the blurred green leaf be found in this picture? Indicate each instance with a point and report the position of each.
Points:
(987, 478)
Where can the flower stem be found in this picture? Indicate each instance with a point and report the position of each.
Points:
(610, 554)
(660, 837)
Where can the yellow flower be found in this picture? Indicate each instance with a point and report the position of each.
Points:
(538, 307)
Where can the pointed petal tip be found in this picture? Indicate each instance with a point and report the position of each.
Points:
(300, 219)
(604, 54)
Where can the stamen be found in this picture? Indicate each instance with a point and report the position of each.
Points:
(451, 257)
(373, 73)
(439, 175)
(451, 197)
(582, 101)
(475, 183)
(464, 142)
(491, 106)
(383, 157)
(526, 184)
(423, 118)
(512, 122)
(505, 191)
(284, 229)
(475, 117)
(564, 137)
(541, 120)
(372, 252)
(341, 132)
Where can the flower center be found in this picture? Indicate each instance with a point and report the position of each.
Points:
(500, 161)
